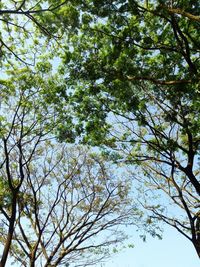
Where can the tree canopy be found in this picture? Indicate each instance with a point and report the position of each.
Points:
(128, 82)
(58, 204)
(28, 28)
(134, 86)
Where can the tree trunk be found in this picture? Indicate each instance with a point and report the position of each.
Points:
(10, 232)
(197, 247)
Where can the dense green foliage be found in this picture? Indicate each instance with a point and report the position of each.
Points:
(133, 72)
(127, 44)
(128, 81)
(30, 27)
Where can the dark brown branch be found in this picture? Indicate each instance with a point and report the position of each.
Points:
(182, 13)
(161, 82)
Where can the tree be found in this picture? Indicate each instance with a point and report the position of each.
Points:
(134, 76)
(22, 123)
(29, 27)
(58, 204)
(68, 210)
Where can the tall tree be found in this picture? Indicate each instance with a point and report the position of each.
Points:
(70, 210)
(24, 120)
(58, 205)
(134, 76)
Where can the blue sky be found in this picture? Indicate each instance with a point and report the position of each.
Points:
(173, 250)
